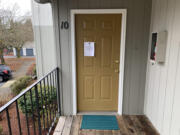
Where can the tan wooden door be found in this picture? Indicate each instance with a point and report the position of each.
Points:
(98, 76)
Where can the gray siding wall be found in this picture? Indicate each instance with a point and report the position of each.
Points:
(162, 98)
(44, 38)
(138, 24)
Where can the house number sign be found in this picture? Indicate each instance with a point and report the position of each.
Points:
(64, 25)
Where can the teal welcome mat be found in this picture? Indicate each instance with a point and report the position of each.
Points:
(99, 122)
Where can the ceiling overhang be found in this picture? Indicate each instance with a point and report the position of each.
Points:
(43, 1)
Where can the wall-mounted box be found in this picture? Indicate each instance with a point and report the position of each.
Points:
(161, 46)
(158, 47)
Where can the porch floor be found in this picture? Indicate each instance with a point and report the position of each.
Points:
(129, 125)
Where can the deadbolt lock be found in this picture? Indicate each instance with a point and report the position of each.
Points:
(116, 70)
(117, 61)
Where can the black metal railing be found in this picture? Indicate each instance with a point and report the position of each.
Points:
(36, 109)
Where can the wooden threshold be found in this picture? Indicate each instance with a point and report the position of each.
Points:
(128, 124)
(97, 113)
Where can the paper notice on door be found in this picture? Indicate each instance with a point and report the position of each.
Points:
(89, 49)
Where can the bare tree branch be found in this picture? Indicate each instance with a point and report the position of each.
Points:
(15, 30)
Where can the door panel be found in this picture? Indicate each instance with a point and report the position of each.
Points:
(89, 87)
(106, 86)
(106, 48)
(98, 77)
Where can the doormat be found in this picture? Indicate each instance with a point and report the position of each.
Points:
(99, 122)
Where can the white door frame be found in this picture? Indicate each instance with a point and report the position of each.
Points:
(122, 51)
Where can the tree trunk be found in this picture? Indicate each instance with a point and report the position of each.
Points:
(1, 56)
(18, 52)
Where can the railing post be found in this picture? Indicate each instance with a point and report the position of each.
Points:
(18, 117)
(58, 92)
(38, 111)
(8, 120)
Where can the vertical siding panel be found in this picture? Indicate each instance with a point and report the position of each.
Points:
(146, 30)
(65, 53)
(172, 71)
(137, 46)
(159, 27)
(148, 74)
(129, 35)
(170, 19)
(72, 4)
(161, 92)
(175, 128)
(94, 4)
(149, 96)
(105, 4)
(174, 125)
(83, 4)
(117, 4)
(155, 68)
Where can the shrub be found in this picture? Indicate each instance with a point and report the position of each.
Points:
(20, 84)
(48, 97)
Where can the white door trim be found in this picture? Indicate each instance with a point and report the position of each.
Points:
(122, 51)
